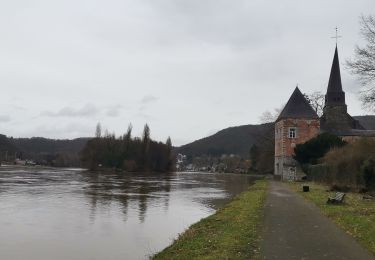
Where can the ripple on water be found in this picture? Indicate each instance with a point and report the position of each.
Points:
(65, 213)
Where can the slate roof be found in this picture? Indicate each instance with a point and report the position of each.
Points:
(297, 107)
(356, 132)
(334, 83)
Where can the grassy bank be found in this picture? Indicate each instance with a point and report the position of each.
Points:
(356, 216)
(231, 233)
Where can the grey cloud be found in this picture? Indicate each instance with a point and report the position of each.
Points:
(149, 99)
(70, 130)
(4, 118)
(85, 111)
(114, 111)
(146, 101)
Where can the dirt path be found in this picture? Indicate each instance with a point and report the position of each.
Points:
(295, 229)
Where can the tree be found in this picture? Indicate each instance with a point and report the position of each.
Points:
(254, 154)
(169, 153)
(368, 173)
(317, 101)
(146, 134)
(127, 153)
(363, 64)
(317, 147)
(269, 117)
(145, 147)
(169, 144)
(98, 130)
(128, 134)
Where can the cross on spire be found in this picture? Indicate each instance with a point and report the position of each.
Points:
(336, 36)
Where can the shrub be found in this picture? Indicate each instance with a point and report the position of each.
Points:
(352, 165)
(317, 147)
(368, 173)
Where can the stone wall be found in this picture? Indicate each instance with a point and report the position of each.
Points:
(336, 119)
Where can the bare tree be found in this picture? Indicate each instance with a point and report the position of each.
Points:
(267, 117)
(98, 131)
(270, 117)
(363, 64)
(316, 100)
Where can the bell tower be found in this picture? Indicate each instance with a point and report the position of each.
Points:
(335, 117)
(335, 95)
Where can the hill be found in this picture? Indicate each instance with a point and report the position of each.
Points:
(6, 145)
(43, 150)
(45, 145)
(239, 139)
(236, 140)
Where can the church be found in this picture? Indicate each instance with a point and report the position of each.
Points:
(298, 122)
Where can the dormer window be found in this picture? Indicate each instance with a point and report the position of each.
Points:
(292, 132)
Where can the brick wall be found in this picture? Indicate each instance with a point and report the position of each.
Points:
(306, 129)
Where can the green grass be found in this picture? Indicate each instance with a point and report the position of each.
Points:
(356, 215)
(231, 233)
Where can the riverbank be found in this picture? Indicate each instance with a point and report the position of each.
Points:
(233, 232)
(356, 215)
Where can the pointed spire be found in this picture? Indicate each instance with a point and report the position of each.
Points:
(297, 107)
(335, 95)
(334, 84)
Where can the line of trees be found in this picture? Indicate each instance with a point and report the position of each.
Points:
(127, 153)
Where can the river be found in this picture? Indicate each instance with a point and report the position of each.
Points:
(54, 213)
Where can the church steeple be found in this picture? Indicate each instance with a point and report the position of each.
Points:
(335, 95)
(335, 117)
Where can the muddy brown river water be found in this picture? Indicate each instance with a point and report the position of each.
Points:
(52, 213)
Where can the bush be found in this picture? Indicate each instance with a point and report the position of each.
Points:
(352, 165)
(368, 173)
(317, 147)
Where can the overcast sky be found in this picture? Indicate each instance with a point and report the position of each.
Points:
(187, 67)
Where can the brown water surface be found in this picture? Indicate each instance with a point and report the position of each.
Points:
(52, 213)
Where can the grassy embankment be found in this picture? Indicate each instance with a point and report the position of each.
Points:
(356, 215)
(231, 233)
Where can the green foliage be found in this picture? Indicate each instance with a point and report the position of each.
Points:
(232, 233)
(368, 173)
(317, 147)
(127, 153)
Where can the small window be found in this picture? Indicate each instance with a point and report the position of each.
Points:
(292, 133)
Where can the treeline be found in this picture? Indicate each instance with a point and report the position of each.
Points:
(262, 153)
(127, 153)
(43, 151)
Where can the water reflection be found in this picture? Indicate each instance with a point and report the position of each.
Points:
(104, 189)
(75, 214)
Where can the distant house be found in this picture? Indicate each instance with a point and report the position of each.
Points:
(298, 122)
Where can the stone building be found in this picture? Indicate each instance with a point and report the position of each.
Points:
(335, 117)
(298, 123)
